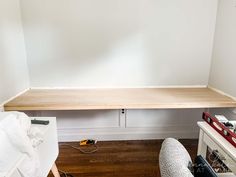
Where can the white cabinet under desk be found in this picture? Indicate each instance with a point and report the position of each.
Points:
(208, 137)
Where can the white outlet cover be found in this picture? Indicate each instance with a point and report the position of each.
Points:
(1, 108)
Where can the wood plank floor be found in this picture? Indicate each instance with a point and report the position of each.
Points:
(117, 159)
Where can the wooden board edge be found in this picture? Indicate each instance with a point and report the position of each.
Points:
(3, 105)
(118, 107)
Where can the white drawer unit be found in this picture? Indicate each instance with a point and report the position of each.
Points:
(208, 137)
(47, 150)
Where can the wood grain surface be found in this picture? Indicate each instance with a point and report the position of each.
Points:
(117, 159)
(137, 98)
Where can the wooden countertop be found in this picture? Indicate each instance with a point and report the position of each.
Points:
(129, 98)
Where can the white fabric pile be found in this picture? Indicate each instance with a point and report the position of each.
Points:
(16, 127)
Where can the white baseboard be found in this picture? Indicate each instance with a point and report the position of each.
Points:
(108, 134)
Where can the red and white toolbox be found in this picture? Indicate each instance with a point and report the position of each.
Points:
(224, 127)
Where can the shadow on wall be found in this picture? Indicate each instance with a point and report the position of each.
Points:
(117, 43)
(13, 69)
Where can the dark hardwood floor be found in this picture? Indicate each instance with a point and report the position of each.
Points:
(116, 159)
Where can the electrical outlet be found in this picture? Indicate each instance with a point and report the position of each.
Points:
(123, 113)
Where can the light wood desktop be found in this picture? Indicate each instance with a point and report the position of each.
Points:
(129, 98)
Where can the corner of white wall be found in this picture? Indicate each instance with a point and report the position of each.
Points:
(15, 58)
(25, 49)
(3, 103)
(221, 92)
(213, 45)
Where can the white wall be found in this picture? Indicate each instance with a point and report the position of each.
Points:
(13, 66)
(229, 113)
(121, 43)
(223, 75)
(133, 125)
(125, 43)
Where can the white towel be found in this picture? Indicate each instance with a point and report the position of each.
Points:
(16, 127)
(23, 119)
(34, 133)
